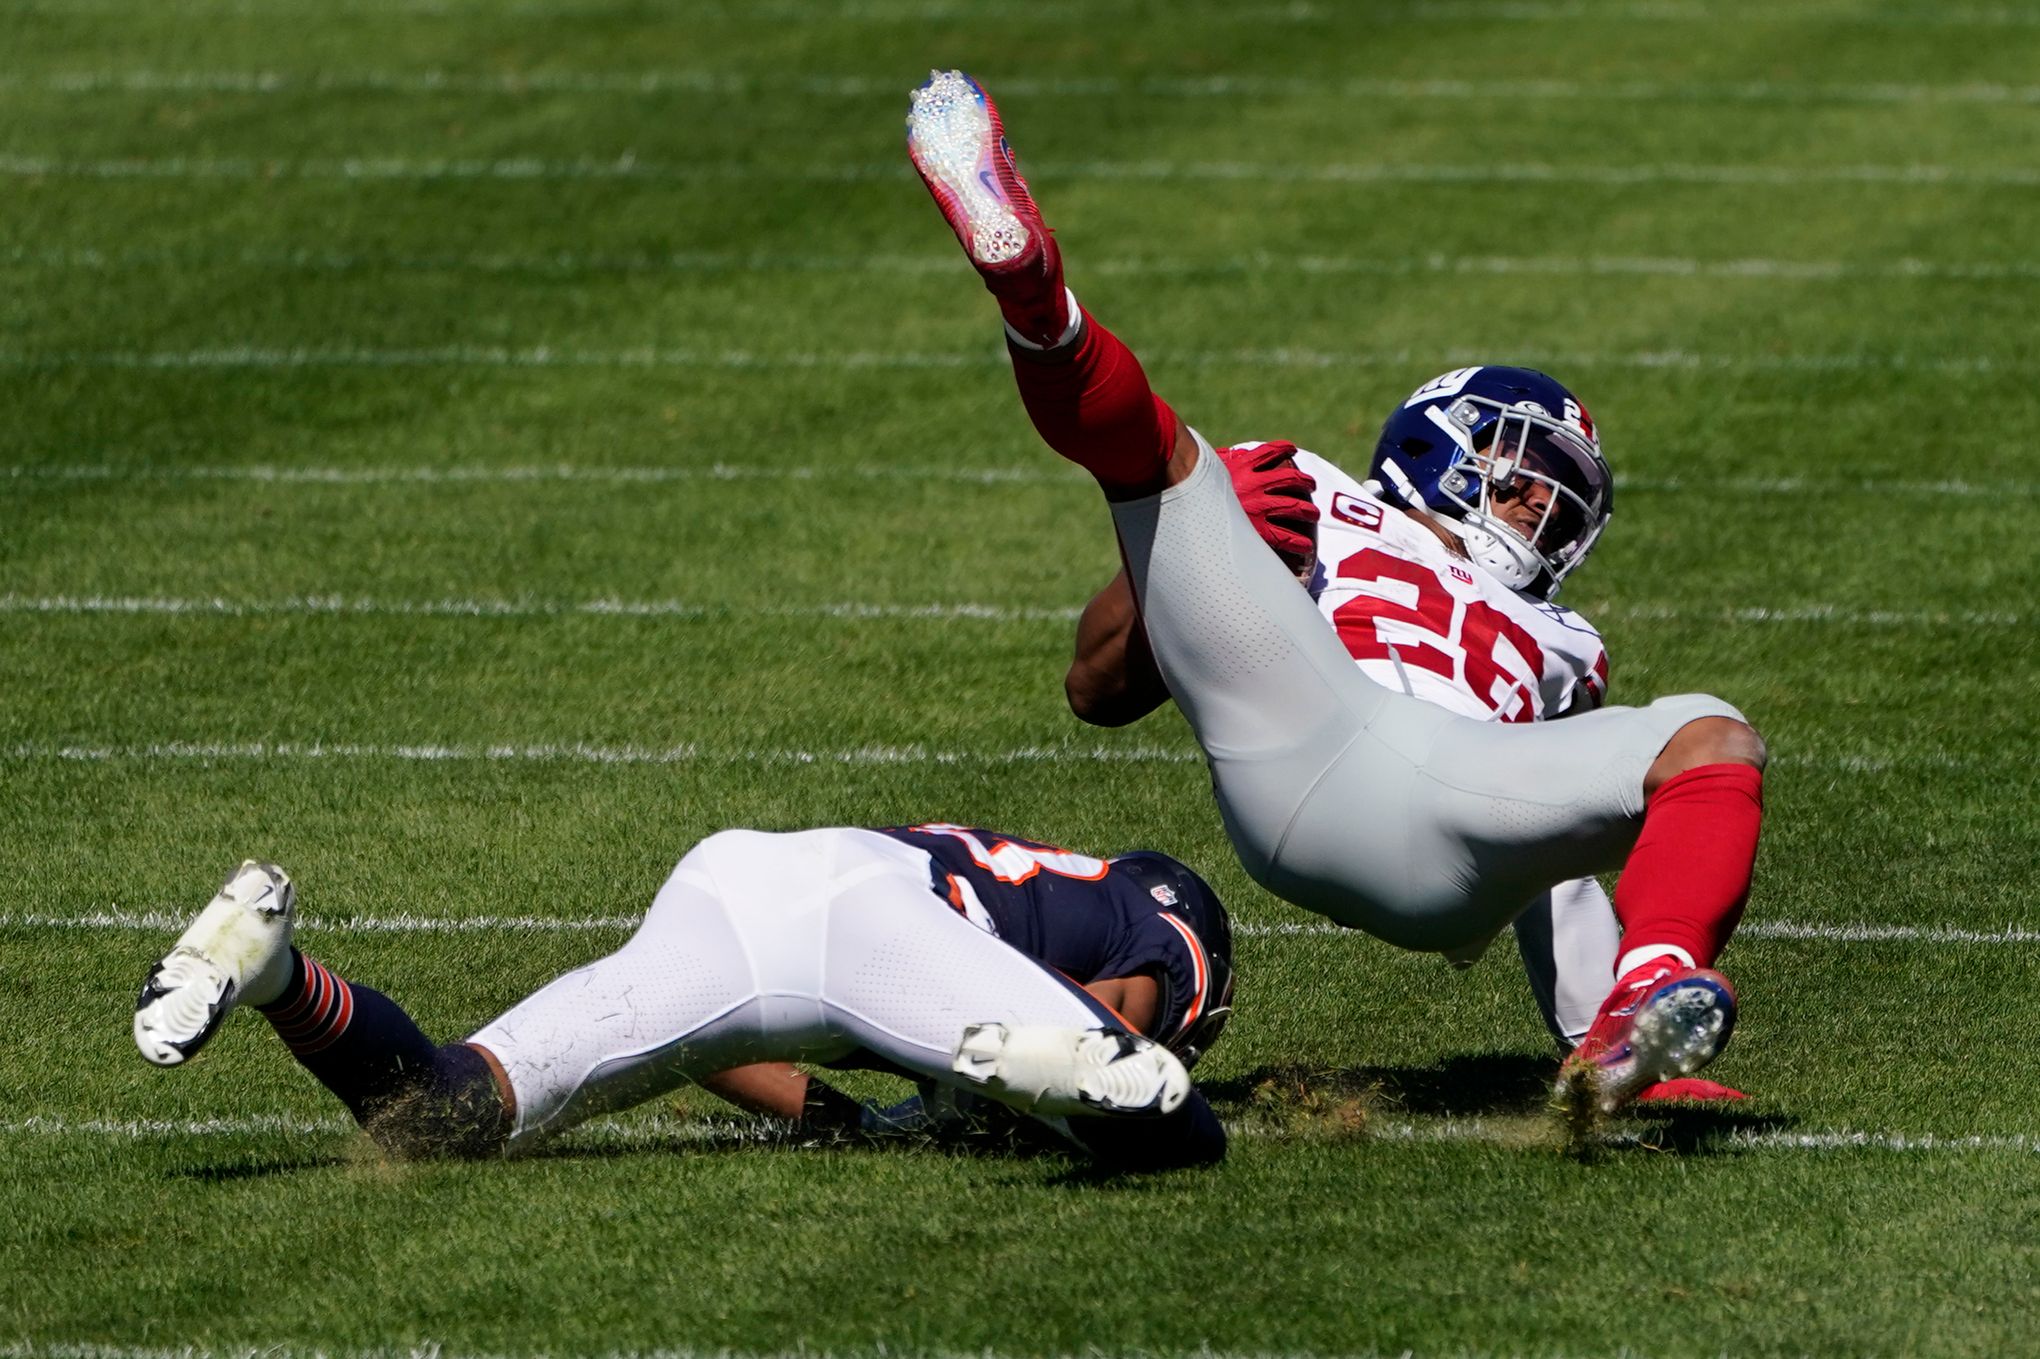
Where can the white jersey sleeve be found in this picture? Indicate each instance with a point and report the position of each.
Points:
(1421, 620)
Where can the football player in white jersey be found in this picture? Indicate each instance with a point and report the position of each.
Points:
(1419, 617)
(1401, 807)
(1073, 991)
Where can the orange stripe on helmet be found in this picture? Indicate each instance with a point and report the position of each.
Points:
(1201, 972)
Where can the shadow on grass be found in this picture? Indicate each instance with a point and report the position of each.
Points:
(1466, 1086)
(233, 1172)
(1702, 1130)
(1497, 1099)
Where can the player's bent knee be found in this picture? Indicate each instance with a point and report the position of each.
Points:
(1726, 740)
(454, 1109)
(1705, 741)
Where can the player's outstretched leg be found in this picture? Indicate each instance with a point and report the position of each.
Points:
(1084, 390)
(1058, 1072)
(1268, 689)
(413, 1096)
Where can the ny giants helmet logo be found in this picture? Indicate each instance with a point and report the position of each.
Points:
(1578, 416)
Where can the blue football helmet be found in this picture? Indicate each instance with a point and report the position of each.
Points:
(1471, 444)
(1197, 987)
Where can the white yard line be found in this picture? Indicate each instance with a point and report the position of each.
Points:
(627, 166)
(157, 752)
(1822, 613)
(722, 84)
(1701, 12)
(602, 1131)
(579, 753)
(169, 918)
(666, 1128)
(1046, 471)
(259, 357)
(335, 260)
(1884, 934)
(484, 356)
(1481, 1131)
(341, 605)
(1303, 12)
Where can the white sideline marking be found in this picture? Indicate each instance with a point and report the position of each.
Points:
(167, 919)
(339, 605)
(523, 608)
(627, 166)
(721, 83)
(945, 264)
(549, 357)
(1044, 472)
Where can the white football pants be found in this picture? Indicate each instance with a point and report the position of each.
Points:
(761, 947)
(1375, 809)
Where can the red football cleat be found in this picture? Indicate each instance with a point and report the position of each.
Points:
(959, 148)
(1662, 1022)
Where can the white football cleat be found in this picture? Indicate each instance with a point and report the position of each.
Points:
(1060, 1072)
(238, 949)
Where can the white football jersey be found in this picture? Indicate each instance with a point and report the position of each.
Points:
(1421, 620)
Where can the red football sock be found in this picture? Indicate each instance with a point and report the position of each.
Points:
(1091, 403)
(1689, 875)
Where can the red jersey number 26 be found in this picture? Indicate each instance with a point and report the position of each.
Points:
(1451, 637)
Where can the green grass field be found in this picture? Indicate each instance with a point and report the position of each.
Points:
(469, 451)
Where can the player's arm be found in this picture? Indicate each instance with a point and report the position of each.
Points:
(1113, 680)
(778, 1089)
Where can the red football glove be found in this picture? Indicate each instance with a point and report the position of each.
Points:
(1275, 493)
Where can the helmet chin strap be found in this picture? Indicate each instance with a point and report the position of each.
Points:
(1506, 556)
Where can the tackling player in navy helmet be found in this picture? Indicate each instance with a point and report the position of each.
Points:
(1070, 991)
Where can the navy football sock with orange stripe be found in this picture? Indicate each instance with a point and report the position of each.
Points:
(412, 1095)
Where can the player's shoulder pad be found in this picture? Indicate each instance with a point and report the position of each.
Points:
(1325, 472)
(1569, 619)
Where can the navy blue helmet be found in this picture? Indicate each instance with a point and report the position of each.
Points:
(1470, 442)
(1198, 985)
